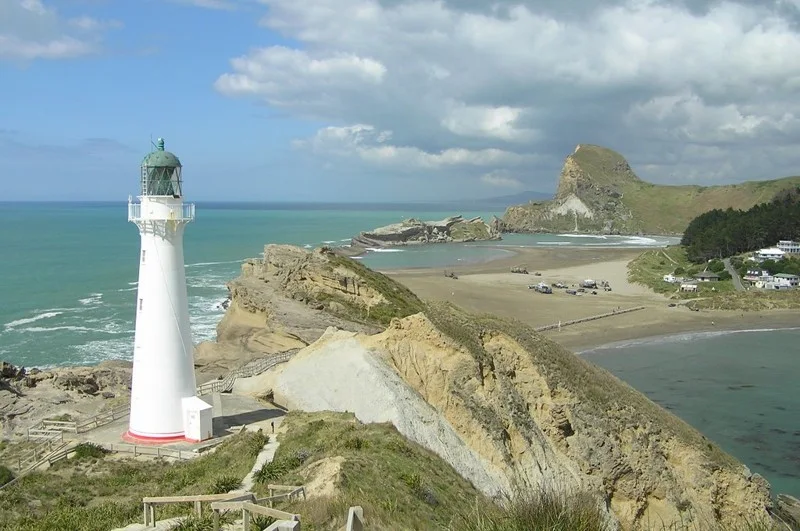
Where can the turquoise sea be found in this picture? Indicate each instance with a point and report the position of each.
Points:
(69, 270)
(739, 388)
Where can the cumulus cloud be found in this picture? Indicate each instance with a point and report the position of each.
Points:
(31, 29)
(688, 90)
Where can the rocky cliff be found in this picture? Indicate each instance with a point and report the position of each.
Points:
(414, 231)
(505, 406)
(290, 297)
(598, 192)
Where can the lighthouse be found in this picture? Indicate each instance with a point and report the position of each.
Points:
(163, 387)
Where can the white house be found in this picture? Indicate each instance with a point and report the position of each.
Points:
(756, 274)
(789, 246)
(783, 279)
(772, 253)
(689, 287)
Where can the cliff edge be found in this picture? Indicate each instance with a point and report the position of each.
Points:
(599, 193)
(503, 405)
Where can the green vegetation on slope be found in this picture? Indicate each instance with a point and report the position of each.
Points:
(623, 203)
(464, 231)
(399, 484)
(725, 233)
(400, 301)
(598, 390)
(649, 268)
(95, 493)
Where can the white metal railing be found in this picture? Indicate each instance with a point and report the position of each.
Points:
(184, 212)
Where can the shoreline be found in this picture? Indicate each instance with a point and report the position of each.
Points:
(490, 287)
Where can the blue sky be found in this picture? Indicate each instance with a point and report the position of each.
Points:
(353, 100)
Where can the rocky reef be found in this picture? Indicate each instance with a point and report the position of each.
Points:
(599, 193)
(413, 231)
(505, 406)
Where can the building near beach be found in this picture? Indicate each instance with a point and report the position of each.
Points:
(706, 276)
(784, 279)
(789, 246)
(772, 253)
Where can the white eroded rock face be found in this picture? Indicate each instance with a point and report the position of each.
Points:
(339, 373)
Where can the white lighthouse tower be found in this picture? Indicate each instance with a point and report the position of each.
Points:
(163, 363)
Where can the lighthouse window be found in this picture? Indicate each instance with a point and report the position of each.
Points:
(143, 251)
(140, 304)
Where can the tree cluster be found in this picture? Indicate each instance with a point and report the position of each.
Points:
(723, 233)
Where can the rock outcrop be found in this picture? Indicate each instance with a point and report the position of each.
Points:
(30, 395)
(505, 406)
(290, 297)
(413, 231)
(598, 192)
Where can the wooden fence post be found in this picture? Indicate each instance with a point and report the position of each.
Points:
(198, 507)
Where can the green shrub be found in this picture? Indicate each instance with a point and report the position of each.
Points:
(225, 484)
(90, 451)
(724, 275)
(5, 475)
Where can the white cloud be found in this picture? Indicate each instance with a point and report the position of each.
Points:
(493, 84)
(30, 29)
(373, 146)
(500, 178)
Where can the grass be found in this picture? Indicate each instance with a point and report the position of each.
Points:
(602, 397)
(400, 301)
(649, 268)
(399, 484)
(655, 209)
(92, 493)
(465, 230)
(549, 511)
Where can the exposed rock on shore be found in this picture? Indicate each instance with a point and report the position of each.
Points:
(501, 403)
(28, 396)
(413, 231)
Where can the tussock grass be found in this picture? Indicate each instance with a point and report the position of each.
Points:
(100, 494)
(535, 510)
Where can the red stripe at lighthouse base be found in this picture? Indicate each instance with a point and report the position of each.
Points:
(146, 439)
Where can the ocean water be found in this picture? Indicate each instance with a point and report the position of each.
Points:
(69, 270)
(739, 388)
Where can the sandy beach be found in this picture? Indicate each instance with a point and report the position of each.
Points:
(492, 288)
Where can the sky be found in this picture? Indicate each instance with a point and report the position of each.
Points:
(391, 100)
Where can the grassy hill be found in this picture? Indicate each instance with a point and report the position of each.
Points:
(599, 192)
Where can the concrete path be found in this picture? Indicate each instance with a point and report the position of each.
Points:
(266, 455)
(737, 282)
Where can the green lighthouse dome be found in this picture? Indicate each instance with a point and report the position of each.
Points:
(160, 158)
(161, 173)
